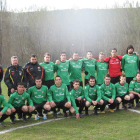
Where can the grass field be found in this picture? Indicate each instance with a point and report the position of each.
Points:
(119, 125)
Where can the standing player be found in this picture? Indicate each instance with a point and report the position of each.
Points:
(62, 69)
(18, 99)
(130, 64)
(49, 69)
(122, 94)
(1, 77)
(32, 70)
(93, 95)
(101, 68)
(89, 65)
(59, 96)
(39, 94)
(78, 94)
(13, 75)
(75, 69)
(134, 90)
(114, 62)
(108, 94)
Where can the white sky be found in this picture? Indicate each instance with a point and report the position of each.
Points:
(65, 4)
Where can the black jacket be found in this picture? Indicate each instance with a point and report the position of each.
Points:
(13, 75)
(1, 73)
(32, 71)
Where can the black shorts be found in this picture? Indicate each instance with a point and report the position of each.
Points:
(1, 108)
(60, 104)
(48, 83)
(19, 109)
(115, 80)
(41, 105)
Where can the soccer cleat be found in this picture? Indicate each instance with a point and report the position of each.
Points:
(36, 117)
(12, 120)
(24, 119)
(44, 116)
(58, 113)
(103, 111)
(137, 105)
(65, 115)
(111, 110)
(2, 124)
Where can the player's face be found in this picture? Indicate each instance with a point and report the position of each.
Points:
(122, 80)
(92, 82)
(101, 57)
(47, 58)
(107, 80)
(113, 53)
(138, 77)
(38, 82)
(76, 85)
(89, 55)
(130, 51)
(33, 60)
(58, 80)
(20, 89)
(14, 62)
(75, 56)
(63, 57)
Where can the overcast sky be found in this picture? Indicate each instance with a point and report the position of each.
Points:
(65, 4)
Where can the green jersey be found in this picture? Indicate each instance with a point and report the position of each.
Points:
(4, 103)
(18, 100)
(38, 95)
(62, 71)
(92, 93)
(49, 68)
(77, 93)
(130, 65)
(121, 89)
(102, 70)
(58, 94)
(108, 91)
(89, 66)
(75, 70)
(134, 86)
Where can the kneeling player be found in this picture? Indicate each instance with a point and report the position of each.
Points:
(5, 111)
(17, 100)
(108, 94)
(59, 96)
(38, 95)
(78, 94)
(134, 90)
(122, 92)
(93, 95)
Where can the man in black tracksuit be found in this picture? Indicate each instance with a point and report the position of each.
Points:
(13, 75)
(33, 70)
(1, 76)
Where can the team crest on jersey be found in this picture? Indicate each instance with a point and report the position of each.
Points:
(79, 63)
(93, 61)
(110, 88)
(79, 92)
(62, 88)
(42, 91)
(20, 72)
(124, 87)
(22, 98)
(51, 65)
(94, 90)
(38, 68)
(12, 72)
(134, 57)
(67, 65)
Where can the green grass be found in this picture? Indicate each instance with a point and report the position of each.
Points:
(119, 125)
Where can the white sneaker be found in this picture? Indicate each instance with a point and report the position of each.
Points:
(44, 116)
(36, 117)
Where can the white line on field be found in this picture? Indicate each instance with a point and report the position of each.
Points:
(20, 127)
(132, 110)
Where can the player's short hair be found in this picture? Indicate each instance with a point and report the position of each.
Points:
(89, 51)
(107, 75)
(91, 77)
(38, 78)
(20, 83)
(137, 73)
(62, 53)
(47, 54)
(57, 76)
(114, 49)
(33, 55)
(101, 53)
(13, 57)
(129, 47)
(76, 81)
(75, 52)
(123, 75)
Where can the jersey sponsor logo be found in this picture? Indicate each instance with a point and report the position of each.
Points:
(12, 72)
(20, 73)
